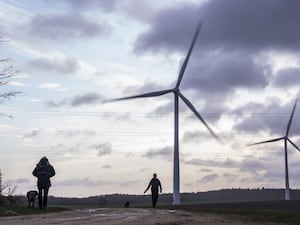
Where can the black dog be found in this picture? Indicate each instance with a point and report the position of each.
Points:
(31, 197)
(126, 205)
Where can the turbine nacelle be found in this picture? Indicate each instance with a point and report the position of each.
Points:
(176, 91)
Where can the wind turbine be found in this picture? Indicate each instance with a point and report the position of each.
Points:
(286, 139)
(177, 94)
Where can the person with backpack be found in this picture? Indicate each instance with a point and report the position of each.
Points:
(43, 171)
(155, 185)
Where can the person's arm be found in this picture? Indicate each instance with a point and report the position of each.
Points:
(148, 187)
(35, 171)
(160, 187)
(52, 171)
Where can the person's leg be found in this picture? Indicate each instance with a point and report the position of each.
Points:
(45, 201)
(153, 200)
(46, 190)
(40, 197)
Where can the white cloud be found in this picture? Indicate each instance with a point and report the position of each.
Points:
(55, 86)
(16, 83)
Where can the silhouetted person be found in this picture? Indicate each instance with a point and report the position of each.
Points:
(154, 184)
(43, 171)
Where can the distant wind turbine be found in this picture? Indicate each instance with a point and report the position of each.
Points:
(286, 139)
(177, 94)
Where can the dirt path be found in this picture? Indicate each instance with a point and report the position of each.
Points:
(125, 217)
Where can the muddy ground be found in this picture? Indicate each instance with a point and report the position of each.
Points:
(130, 216)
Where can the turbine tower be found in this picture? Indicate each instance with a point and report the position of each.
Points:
(177, 94)
(286, 140)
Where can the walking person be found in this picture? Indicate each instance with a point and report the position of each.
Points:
(155, 185)
(43, 171)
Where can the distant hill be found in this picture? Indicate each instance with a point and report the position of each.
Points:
(223, 195)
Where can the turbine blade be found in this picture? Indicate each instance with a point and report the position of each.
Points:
(290, 121)
(150, 94)
(189, 104)
(183, 67)
(271, 140)
(294, 144)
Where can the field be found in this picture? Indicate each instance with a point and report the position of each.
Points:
(287, 212)
(250, 213)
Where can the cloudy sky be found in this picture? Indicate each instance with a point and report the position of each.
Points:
(72, 55)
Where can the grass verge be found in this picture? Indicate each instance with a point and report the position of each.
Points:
(21, 210)
(276, 212)
(260, 215)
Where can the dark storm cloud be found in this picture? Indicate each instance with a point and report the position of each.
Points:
(57, 147)
(66, 26)
(102, 4)
(129, 183)
(287, 78)
(195, 136)
(32, 134)
(254, 179)
(149, 86)
(216, 73)
(205, 171)
(142, 10)
(252, 165)
(103, 149)
(53, 104)
(269, 24)
(251, 25)
(230, 177)
(270, 116)
(163, 109)
(75, 132)
(107, 167)
(208, 178)
(274, 174)
(168, 108)
(228, 163)
(90, 98)
(233, 36)
(63, 66)
(87, 182)
(213, 109)
(165, 153)
(170, 29)
(77, 101)
(117, 117)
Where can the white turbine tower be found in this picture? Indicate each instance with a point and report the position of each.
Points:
(177, 94)
(286, 139)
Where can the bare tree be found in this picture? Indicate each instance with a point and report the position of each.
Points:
(6, 72)
(2, 186)
(11, 190)
(8, 187)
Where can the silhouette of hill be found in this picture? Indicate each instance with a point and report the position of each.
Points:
(223, 195)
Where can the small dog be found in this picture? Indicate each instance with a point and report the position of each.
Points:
(31, 197)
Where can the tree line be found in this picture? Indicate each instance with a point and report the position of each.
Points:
(223, 195)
